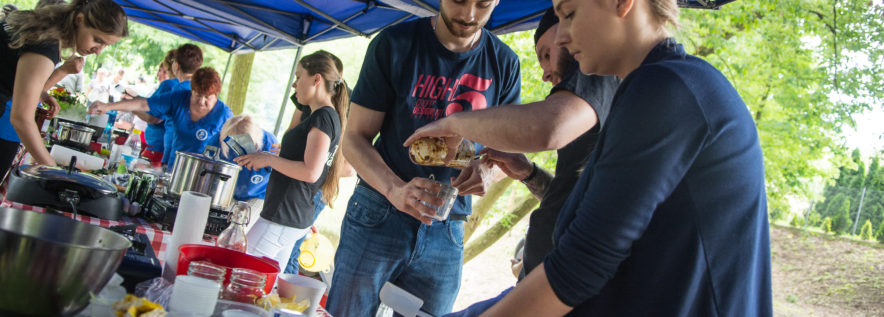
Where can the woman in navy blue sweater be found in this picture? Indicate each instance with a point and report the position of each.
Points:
(670, 216)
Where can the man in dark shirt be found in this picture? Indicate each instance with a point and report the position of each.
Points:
(595, 93)
(414, 73)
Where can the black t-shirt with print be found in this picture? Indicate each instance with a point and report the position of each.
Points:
(598, 91)
(289, 201)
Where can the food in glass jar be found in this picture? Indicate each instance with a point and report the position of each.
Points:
(432, 151)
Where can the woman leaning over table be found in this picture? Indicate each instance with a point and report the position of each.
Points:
(33, 40)
(196, 114)
(308, 160)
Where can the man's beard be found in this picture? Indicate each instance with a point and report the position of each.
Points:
(566, 64)
(452, 25)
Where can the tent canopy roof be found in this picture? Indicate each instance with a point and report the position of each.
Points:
(257, 25)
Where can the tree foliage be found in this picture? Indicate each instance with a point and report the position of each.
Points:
(856, 189)
(803, 68)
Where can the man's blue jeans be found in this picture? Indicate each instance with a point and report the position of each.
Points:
(379, 244)
(293, 266)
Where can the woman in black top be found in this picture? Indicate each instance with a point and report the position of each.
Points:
(32, 40)
(308, 160)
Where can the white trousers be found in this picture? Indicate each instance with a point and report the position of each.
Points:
(273, 240)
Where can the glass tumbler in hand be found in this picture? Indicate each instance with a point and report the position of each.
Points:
(234, 237)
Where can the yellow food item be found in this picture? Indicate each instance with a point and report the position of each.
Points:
(274, 301)
(134, 306)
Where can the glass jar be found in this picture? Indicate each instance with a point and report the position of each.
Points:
(42, 117)
(246, 286)
(432, 151)
(207, 270)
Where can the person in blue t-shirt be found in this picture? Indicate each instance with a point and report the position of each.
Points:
(669, 218)
(153, 134)
(187, 59)
(251, 185)
(197, 115)
(415, 73)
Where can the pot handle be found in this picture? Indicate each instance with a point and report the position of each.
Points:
(222, 176)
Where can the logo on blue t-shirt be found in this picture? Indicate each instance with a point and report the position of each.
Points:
(429, 91)
(202, 134)
(257, 179)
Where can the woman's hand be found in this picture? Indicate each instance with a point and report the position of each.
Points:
(256, 161)
(98, 107)
(73, 66)
(50, 102)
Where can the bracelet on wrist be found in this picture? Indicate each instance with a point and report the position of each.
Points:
(533, 173)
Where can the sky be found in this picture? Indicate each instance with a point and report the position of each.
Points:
(869, 133)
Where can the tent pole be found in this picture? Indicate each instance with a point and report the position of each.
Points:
(229, 57)
(288, 89)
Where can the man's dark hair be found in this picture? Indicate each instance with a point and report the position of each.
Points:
(189, 58)
(547, 21)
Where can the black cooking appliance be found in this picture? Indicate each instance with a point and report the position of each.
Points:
(164, 209)
(65, 189)
(140, 263)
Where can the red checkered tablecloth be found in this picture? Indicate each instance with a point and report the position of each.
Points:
(159, 239)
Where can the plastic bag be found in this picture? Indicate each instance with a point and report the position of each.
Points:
(157, 290)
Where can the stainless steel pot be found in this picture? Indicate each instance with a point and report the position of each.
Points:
(50, 265)
(202, 173)
(75, 133)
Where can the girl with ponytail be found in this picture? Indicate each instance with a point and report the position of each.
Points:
(33, 41)
(308, 160)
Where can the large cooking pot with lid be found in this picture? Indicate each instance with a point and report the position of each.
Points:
(74, 133)
(205, 174)
(51, 265)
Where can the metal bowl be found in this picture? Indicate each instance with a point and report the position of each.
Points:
(50, 265)
(75, 133)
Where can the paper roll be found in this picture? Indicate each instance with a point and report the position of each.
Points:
(190, 222)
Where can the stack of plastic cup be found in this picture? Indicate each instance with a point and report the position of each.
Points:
(195, 295)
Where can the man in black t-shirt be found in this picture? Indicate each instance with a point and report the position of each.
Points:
(414, 73)
(587, 100)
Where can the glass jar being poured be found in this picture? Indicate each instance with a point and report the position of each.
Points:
(432, 152)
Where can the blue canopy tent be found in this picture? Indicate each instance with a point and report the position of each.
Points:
(240, 26)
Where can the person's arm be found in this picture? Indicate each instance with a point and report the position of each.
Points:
(296, 118)
(518, 167)
(363, 126)
(25, 96)
(539, 126)
(147, 117)
(69, 67)
(136, 104)
(533, 296)
(309, 170)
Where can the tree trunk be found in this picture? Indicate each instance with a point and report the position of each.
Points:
(503, 226)
(239, 82)
(483, 205)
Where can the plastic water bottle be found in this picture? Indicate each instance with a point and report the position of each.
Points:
(134, 143)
